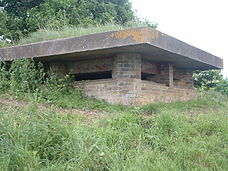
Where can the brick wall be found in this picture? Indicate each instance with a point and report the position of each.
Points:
(163, 74)
(126, 86)
(153, 93)
(144, 92)
(127, 75)
(127, 66)
(91, 65)
(110, 90)
(182, 78)
(149, 67)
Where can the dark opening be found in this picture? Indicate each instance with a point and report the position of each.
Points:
(146, 76)
(93, 76)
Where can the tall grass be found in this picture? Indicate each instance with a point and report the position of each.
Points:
(31, 139)
(66, 32)
(176, 136)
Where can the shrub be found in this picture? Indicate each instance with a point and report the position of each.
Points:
(4, 77)
(210, 80)
(61, 83)
(207, 79)
(222, 87)
(26, 75)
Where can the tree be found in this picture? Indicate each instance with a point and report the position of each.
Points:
(15, 15)
(22, 17)
(19, 7)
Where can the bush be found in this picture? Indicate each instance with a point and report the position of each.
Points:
(27, 79)
(207, 79)
(4, 77)
(222, 87)
(210, 80)
(61, 83)
(26, 75)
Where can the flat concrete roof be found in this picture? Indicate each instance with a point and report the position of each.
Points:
(150, 43)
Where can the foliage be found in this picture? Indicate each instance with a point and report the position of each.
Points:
(25, 75)
(26, 79)
(19, 18)
(211, 79)
(4, 44)
(207, 79)
(181, 136)
(4, 77)
(222, 87)
(12, 27)
(19, 8)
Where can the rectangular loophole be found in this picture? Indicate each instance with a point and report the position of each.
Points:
(147, 76)
(93, 76)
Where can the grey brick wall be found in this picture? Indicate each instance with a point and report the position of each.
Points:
(167, 83)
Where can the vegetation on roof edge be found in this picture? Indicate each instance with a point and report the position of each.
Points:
(66, 32)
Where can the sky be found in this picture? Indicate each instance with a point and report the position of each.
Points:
(201, 23)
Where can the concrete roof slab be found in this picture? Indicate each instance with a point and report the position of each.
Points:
(149, 42)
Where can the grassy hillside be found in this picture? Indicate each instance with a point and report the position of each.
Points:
(47, 124)
(191, 135)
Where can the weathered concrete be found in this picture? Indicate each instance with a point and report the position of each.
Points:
(151, 44)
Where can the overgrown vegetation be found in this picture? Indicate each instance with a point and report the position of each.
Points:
(179, 136)
(66, 32)
(211, 80)
(26, 22)
(176, 136)
(27, 80)
(20, 18)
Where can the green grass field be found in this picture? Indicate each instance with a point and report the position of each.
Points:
(190, 135)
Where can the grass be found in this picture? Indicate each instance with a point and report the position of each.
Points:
(66, 32)
(46, 34)
(176, 136)
(50, 34)
(35, 136)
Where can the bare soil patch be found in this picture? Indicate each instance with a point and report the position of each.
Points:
(91, 115)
